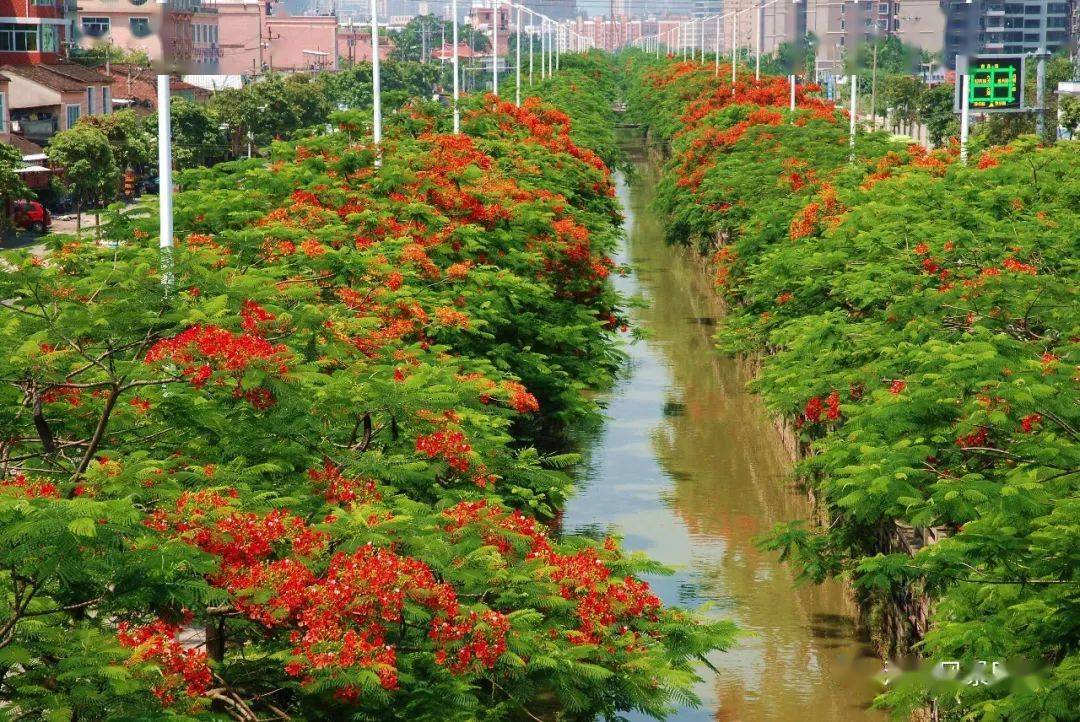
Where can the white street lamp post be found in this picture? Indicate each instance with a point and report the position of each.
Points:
(734, 47)
(718, 46)
(165, 183)
(757, 41)
(517, 67)
(376, 85)
(854, 80)
(457, 90)
(494, 47)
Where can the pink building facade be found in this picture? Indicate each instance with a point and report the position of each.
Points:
(302, 42)
(258, 36)
(183, 34)
(354, 44)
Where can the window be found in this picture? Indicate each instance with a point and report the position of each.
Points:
(1057, 22)
(18, 38)
(1060, 8)
(44, 3)
(1032, 23)
(3, 119)
(89, 101)
(213, 34)
(72, 115)
(95, 27)
(1031, 37)
(50, 39)
(106, 100)
(140, 27)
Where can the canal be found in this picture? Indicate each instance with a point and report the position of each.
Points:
(688, 468)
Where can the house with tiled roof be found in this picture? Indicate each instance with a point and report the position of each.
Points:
(135, 87)
(49, 97)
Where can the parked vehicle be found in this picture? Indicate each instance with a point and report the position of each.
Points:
(149, 185)
(31, 215)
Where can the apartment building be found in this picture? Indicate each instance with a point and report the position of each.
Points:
(998, 26)
(183, 33)
(32, 31)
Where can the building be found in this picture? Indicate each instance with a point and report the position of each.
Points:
(45, 98)
(32, 31)
(354, 43)
(301, 42)
(259, 36)
(836, 28)
(998, 26)
(481, 17)
(242, 34)
(183, 33)
(135, 87)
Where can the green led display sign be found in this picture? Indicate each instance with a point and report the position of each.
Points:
(996, 82)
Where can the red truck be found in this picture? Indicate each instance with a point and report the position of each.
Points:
(31, 215)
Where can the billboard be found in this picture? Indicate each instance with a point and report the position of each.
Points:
(995, 84)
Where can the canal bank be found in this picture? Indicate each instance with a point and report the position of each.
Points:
(689, 469)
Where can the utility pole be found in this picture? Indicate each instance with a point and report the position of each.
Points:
(873, 89)
(965, 114)
(717, 43)
(517, 65)
(734, 47)
(495, 47)
(1040, 93)
(703, 41)
(165, 185)
(758, 17)
(457, 90)
(854, 80)
(376, 86)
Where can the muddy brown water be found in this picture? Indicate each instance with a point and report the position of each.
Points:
(688, 468)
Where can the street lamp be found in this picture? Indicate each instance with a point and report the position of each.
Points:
(165, 182)
(376, 85)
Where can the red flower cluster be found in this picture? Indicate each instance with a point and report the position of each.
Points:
(452, 446)
(182, 669)
(603, 605)
(200, 351)
(832, 406)
(1016, 266)
(976, 438)
(342, 617)
(21, 486)
(208, 520)
(480, 640)
(1029, 422)
(338, 489)
(520, 399)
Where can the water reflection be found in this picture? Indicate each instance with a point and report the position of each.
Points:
(689, 469)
